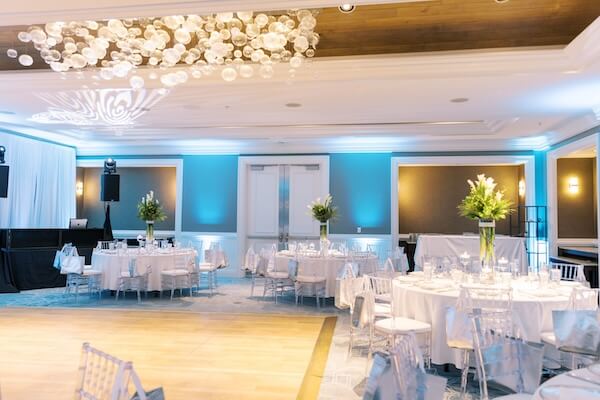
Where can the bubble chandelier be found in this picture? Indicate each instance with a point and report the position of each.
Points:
(239, 44)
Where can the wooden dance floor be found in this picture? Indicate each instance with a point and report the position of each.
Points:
(192, 355)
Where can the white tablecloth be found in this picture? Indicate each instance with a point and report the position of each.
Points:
(454, 245)
(111, 263)
(532, 315)
(329, 267)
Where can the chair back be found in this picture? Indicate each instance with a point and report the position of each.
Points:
(569, 272)
(490, 300)
(262, 265)
(577, 331)
(583, 298)
(292, 269)
(102, 376)
(502, 358)
(105, 245)
(389, 269)
(380, 286)
(250, 260)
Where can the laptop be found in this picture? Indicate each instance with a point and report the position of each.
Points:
(78, 223)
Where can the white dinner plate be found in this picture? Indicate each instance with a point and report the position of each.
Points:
(542, 292)
(564, 392)
(433, 285)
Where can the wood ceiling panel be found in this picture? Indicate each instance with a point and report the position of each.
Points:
(442, 25)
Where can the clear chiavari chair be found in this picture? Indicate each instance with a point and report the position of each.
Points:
(491, 301)
(179, 277)
(260, 273)
(102, 376)
(132, 281)
(502, 357)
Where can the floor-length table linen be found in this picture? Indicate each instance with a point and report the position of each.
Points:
(511, 248)
(326, 266)
(112, 262)
(532, 315)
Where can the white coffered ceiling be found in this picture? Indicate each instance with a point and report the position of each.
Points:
(517, 100)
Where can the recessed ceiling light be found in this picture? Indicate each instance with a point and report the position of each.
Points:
(347, 8)
(501, 1)
(293, 105)
(459, 100)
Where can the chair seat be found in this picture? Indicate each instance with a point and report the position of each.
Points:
(399, 325)
(207, 267)
(175, 272)
(387, 298)
(549, 338)
(125, 274)
(91, 272)
(277, 275)
(383, 310)
(310, 279)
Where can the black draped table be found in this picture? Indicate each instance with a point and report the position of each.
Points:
(28, 255)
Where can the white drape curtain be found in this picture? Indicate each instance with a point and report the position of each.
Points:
(41, 184)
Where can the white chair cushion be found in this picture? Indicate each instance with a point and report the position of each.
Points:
(549, 338)
(399, 325)
(383, 310)
(310, 279)
(91, 272)
(384, 297)
(174, 272)
(278, 275)
(206, 267)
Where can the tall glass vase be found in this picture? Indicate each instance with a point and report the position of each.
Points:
(324, 243)
(487, 235)
(149, 232)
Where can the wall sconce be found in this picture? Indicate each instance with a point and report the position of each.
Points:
(573, 185)
(79, 188)
(521, 188)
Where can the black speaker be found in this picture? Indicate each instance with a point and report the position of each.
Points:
(109, 187)
(3, 180)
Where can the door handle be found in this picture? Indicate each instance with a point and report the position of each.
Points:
(287, 237)
(281, 237)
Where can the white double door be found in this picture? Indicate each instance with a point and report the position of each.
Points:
(278, 196)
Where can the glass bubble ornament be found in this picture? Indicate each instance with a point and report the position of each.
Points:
(136, 82)
(25, 60)
(229, 74)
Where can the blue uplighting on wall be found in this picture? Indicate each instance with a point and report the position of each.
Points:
(541, 186)
(209, 193)
(360, 186)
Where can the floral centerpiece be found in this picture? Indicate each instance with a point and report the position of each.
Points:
(150, 210)
(323, 212)
(487, 205)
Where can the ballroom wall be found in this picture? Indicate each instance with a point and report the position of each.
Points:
(429, 195)
(135, 183)
(576, 211)
(360, 185)
(210, 193)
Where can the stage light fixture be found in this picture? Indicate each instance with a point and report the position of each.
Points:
(110, 166)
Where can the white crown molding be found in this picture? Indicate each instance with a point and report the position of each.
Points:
(38, 12)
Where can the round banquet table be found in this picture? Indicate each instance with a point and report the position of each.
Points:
(532, 314)
(565, 387)
(112, 262)
(329, 266)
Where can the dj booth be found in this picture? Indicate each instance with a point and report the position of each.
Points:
(27, 255)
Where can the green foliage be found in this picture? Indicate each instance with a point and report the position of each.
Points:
(150, 209)
(323, 212)
(484, 202)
